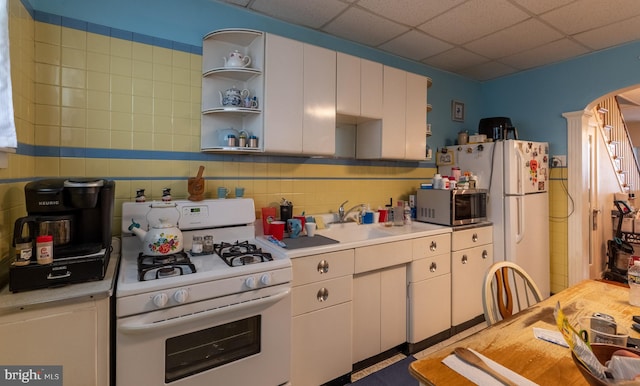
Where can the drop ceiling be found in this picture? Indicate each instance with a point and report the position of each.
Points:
(477, 39)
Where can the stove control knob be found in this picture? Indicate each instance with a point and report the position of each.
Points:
(181, 295)
(160, 300)
(265, 279)
(250, 282)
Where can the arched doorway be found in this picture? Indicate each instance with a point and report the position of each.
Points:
(589, 195)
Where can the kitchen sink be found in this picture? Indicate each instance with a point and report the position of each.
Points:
(350, 232)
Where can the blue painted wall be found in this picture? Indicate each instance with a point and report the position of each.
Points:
(534, 100)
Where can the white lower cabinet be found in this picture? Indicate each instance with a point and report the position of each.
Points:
(322, 317)
(379, 311)
(74, 336)
(471, 256)
(379, 298)
(429, 286)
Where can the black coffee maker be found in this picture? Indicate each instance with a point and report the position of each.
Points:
(77, 213)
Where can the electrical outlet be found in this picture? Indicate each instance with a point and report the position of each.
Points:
(558, 161)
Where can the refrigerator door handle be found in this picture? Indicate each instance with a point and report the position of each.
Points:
(520, 163)
(521, 222)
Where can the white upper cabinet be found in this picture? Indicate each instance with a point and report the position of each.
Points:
(359, 87)
(400, 134)
(293, 97)
(300, 92)
(283, 95)
(416, 119)
(319, 125)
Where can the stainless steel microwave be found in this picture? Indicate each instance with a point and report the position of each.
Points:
(451, 207)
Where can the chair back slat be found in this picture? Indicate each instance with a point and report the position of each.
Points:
(508, 289)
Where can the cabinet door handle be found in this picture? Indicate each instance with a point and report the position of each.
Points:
(323, 294)
(323, 266)
(464, 259)
(485, 254)
(433, 267)
(433, 246)
(474, 238)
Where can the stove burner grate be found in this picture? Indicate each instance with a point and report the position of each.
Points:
(241, 253)
(158, 267)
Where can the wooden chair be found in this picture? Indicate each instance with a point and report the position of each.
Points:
(508, 289)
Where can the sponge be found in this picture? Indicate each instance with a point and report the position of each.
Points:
(319, 222)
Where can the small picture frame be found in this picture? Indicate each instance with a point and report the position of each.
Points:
(444, 157)
(457, 111)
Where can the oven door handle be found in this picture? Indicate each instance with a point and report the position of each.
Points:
(137, 327)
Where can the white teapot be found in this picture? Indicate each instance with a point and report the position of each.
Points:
(236, 59)
(162, 239)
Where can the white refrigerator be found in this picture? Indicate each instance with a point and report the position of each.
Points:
(516, 173)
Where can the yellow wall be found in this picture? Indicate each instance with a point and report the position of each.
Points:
(87, 91)
(558, 211)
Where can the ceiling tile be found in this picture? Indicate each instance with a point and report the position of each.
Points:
(584, 15)
(611, 35)
(474, 19)
(549, 53)
(520, 37)
(415, 45)
(540, 6)
(455, 59)
(487, 71)
(312, 14)
(351, 25)
(408, 12)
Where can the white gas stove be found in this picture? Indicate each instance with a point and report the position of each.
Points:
(197, 312)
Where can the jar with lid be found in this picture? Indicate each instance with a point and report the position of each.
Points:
(197, 244)
(242, 140)
(24, 251)
(253, 141)
(207, 247)
(44, 248)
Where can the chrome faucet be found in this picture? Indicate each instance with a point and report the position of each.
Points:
(342, 214)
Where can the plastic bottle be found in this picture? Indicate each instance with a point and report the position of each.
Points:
(633, 275)
(437, 181)
(407, 213)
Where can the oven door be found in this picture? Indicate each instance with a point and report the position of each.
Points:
(241, 339)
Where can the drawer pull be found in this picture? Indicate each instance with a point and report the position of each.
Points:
(464, 259)
(433, 267)
(323, 266)
(485, 254)
(474, 238)
(323, 294)
(433, 246)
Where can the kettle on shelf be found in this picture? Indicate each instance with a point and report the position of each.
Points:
(233, 97)
(236, 59)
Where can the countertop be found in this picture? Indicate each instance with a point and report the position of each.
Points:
(396, 233)
(14, 302)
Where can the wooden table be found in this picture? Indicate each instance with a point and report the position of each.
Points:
(511, 342)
